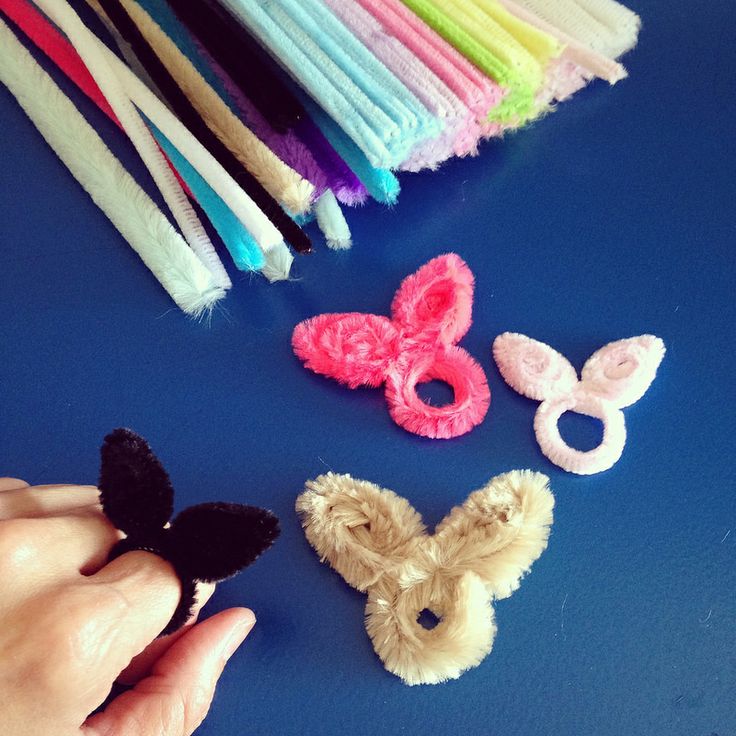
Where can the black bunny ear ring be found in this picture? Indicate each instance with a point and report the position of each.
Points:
(208, 542)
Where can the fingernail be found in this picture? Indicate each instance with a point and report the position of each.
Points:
(238, 634)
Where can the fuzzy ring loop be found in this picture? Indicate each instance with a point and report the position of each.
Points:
(478, 553)
(455, 368)
(560, 453)
(430, 313)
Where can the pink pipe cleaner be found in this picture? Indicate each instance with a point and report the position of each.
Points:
(431, 312)
(477, 91)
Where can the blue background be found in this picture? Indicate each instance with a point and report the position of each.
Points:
(612, 217)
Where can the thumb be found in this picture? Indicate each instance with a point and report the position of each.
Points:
(175, 698)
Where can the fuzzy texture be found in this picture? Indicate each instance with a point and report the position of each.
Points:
(614, 377)
(461, 132)
(332, 222)
(258, 225)
(85, 43)
(605, 26)
(280, 181)
(377, 542)
(188, 114)
(574, 52)
(113, 190)
(304, 148)
(493, 50)
(431, 312)
(244, 250)
(381, 184)
(208, 542)
(477, 91)
(375, 110)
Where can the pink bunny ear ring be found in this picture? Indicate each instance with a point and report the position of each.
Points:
(614, 377)
(430, 314)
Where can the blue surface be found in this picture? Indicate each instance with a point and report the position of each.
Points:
(612, 217)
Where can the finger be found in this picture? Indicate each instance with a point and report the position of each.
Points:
(138, 592)
(38, 553)
(174, 700)
(8, 484)
(38, 501)
(142, 665)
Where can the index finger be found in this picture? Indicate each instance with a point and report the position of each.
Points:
(30, 502)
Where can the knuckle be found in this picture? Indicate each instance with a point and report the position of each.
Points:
(18, 543)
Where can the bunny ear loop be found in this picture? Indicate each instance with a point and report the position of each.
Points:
(614, 377)
(431, 312)
(378, 543)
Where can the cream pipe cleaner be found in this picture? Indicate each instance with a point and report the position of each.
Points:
(114, 191)
(278, 257)
(280, 181)
(597, 64)
(84, 42)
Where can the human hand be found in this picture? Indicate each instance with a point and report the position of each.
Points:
(70, 625)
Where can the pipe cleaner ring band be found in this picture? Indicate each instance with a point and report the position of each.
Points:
(578, 461)
(431, 312)
(378, 543)
(455, 368)
(206, 543)
(614, 377)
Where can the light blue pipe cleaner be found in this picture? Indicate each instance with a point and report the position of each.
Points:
(244, 250)
(386, 131)
(381, 184)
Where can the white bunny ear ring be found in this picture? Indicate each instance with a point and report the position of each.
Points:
(614, 377)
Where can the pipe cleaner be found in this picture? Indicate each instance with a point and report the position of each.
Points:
(84, 42)
(188, 114)
(461, 131)
(381, 184)
(480, 93)
(576, 52)
(378, 543)
(245, 252)
(380, 137)
(242, 247)
(431, 312)
(208, 542)
(304, 147)
(189, 283)
(325, 29)
(277, 256)
(522, 83)
(280, 181)
(614, 377)
(245, 61)
(605, 26)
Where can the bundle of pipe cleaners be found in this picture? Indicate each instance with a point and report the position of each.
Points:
(271, 113)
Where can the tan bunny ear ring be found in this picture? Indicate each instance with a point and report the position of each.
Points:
(479, 552)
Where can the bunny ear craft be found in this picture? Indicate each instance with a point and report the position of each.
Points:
(622, 371)
(207, 543)
(431, 312)
(614, 377)
(135, 490)
(378, 543)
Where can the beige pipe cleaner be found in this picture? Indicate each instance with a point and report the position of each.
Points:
(480, 551)
(279, 180)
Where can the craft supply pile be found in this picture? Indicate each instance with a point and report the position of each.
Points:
(270, 114)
